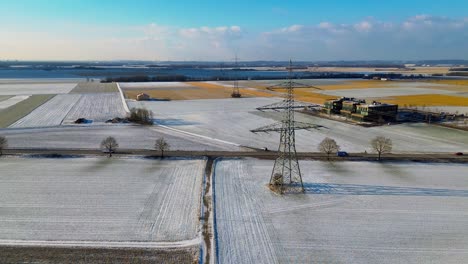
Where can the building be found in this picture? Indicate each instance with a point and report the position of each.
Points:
(335, 106)
(377, 112)
(358, 110)
(142, 97)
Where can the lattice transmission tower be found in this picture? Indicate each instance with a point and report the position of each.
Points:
(286, 175)
(235, 88)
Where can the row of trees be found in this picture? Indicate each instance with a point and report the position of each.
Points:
(110, 145)
(379, 144)
(328, 146)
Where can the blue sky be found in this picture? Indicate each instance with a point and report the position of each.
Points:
(214, 30)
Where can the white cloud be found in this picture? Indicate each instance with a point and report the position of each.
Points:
(418, 37)
(364, 26)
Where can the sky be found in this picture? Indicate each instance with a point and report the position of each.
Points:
(208, 30)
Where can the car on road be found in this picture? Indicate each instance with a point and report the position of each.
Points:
(342, 154)
(459, 154)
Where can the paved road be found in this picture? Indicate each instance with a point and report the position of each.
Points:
(433, 157)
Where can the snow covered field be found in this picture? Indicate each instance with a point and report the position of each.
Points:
(154, 85)
(35, 88)
(384, 92)
(98, 107)
(89, 137)
(352, 212)
(12, 101)
(232, 119)
(51, 113)
(448, 109)
(99, 199)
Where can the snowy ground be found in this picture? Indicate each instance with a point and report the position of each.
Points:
(12, 101)
(447, 109)
(67, 108)
(35, 88)
(154, 85)
(51, 113)
(98, 107)
(232, 119)
(99, 199)
(352, 212)
(312, 82)
(89, 137)
(384, 92)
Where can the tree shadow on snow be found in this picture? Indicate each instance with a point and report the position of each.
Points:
(337, 168)
(173, 122)
(356, 189)
(99, 164)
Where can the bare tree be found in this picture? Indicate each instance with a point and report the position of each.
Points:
(3, 144)
(328, 146)
(381, 145)
(109, 144)
(161, 145)
(141, 116)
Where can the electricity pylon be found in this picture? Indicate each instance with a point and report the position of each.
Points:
(286, 176)
(235, 89)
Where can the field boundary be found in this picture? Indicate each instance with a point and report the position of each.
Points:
(101, 244)
(122, 97)
(215, 227)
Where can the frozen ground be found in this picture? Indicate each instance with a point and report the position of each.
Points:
(383, 92)
(352, 212)
(99, 199)
(89, 137)
(313, 82)
(154, 85)
(12, 101)
(448, 109)
(232, 119)
(51, 113)
(35, 88)
(40, 80)
(98, 107)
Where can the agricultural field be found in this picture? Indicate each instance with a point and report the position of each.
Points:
(35, 88)
(383, 92)
(11, 101)
(154, 85)
(352, 212)
(418, 93)
(89, 137)
(231, 120)
(51, 113)
(95, 87)
(98, 107)
(186, 90)
(10, 115)
(79, 200)
(48, 255)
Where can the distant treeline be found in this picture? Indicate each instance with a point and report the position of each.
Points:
(395, 76)
(457, 74)
(163, 78)
(458, 69)
(323, 75)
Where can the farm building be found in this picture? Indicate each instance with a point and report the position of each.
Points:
(143, 97)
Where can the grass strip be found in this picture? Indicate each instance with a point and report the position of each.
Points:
(15, 112)
(94, 87)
